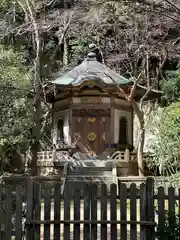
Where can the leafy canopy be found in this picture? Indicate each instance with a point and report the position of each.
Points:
(171, 86)
(15, 101)
(166, 145)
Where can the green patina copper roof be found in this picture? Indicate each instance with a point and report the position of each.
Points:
(91, 69)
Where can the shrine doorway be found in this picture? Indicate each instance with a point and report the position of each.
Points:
(93, 129)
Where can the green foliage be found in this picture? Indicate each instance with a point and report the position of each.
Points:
(79, 49)
(166, 144)
(174, 179)
(13, 70)
(5, 4)
(15, 102)
(171, 86)
(171, 230)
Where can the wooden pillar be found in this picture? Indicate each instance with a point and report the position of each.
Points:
(70, 138)
(54, 125)
(127, 157)
(112, 120)
(132, 128)
(114, 171)
(54, 154)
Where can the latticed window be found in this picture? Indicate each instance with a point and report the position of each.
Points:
(123, 130)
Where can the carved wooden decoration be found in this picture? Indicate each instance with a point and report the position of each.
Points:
(91, 136)
(103, 120)
(91, 120)
(77, 136)
(91, 112)
(95, 100)
(78, 120)
(104, 136)
(88, 83)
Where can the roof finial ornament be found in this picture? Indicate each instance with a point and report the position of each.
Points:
(94, 49)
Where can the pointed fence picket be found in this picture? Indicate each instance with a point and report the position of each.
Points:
(85, 212)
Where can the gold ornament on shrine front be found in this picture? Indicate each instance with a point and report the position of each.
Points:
(91, 120)
(91, 136)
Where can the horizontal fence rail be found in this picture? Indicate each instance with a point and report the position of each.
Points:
(35, 208)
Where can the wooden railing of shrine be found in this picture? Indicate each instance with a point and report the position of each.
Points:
(46, 157)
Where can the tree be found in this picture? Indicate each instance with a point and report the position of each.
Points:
(140, 33)
(15, 104)
(30, 11)
(137, 38)
(166, 144)
(23, 25)
(171, 86)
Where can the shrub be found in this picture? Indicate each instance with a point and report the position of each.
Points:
(171, 228)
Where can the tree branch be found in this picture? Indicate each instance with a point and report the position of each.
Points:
(44, 123)
(173, 5)
(133, 89)
(64, 33)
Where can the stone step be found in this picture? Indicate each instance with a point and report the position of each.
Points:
(86, 163)
(89, 169)
(89, 173)
(88, 177)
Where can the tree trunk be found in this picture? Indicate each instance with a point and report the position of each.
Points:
(37, 105)
(140, 152)
(37, 86)
(36, 132)
(141, 138)
(65, 53)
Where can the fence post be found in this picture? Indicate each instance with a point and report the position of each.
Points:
(143, 204)
(113, 204)
(30, 232)
(94, 211)
(87, 204)
(8, 212)
(47, 211)
(76, 196)
(1, 212)
(171, 205)
(123, 207)
(18, 212)
(161, 210)
(103, 210)
(133, 214)
(150, 207)
(67, 207)
(179, 205)
(37, 208)
(57, 210)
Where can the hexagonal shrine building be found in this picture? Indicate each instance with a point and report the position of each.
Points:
(87, 102)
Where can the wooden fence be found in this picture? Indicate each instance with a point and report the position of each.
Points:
(85, 211)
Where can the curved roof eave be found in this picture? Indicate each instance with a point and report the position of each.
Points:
(70, 82)
(91, 69)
